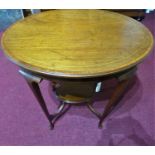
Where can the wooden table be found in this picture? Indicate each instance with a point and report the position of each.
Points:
(77, 47)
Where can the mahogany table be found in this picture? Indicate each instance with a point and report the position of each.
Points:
(76, 49)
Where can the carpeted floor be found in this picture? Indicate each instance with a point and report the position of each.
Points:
(22, 121)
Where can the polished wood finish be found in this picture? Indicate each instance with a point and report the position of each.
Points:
(85, 45)
(77, 43)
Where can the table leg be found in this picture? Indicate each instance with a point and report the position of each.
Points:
(118, 92)
(124, 81)
(33, 83)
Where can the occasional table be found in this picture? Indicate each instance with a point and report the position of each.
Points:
(76, 50)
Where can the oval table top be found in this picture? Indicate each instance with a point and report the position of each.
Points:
(77, 43)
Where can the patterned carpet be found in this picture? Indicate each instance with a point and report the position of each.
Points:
(22, 122)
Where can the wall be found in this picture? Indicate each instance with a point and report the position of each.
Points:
(9, 16)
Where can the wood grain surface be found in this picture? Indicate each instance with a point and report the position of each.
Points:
(77, 43)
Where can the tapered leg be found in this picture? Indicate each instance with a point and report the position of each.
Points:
(33, 83)
(124, 81)
(117, 94)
